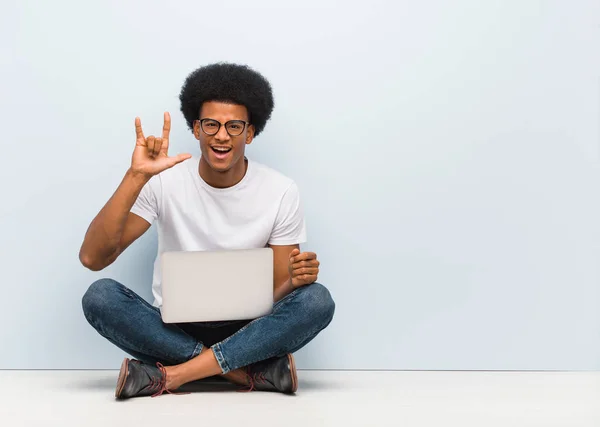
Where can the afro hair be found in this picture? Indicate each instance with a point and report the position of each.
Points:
(233, 83)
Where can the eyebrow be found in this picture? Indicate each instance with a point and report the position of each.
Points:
(232, 120)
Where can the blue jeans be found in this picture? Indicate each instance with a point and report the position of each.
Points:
(135, 326)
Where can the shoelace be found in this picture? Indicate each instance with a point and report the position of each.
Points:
(161, 385)
(254, 379)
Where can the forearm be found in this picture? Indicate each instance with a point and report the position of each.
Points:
(101, 243)
(282, 290)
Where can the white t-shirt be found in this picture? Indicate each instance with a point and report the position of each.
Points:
(263, 208)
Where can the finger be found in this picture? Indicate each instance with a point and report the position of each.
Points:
(304, 256)
(305, 279)
(172, 161)
(166, 126)
(165, 147)
(309, 263)
(309, 278)
(150, 144)
(294, 253)
(157, 145)
(139, 134)
(305, 270)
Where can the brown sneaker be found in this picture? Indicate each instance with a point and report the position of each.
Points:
(275, 374)
(139, 379)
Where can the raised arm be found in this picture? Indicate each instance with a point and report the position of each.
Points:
(115, 227)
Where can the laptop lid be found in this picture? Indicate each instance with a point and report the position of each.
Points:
(206, 286)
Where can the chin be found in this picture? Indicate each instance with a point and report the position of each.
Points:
(219, 165)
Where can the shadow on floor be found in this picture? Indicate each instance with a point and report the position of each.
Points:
(312, 385)
(104, 383)
(212, 384)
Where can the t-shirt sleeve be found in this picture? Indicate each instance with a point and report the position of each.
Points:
(290, 227)
(148, 202)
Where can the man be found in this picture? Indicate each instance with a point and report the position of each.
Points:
(221, 200)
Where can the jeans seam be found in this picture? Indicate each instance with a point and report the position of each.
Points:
(197, 350)
(128, 292)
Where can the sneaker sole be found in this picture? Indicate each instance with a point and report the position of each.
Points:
(293, 372)
(122, 377)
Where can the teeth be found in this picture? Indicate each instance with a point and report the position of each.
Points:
(222, 150)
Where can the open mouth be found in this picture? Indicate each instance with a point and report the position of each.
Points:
(221, 151)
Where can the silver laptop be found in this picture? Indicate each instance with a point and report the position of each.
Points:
(216, 285)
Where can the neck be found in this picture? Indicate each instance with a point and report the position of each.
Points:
(225, 179)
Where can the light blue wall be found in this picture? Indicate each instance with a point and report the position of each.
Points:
(447, 154)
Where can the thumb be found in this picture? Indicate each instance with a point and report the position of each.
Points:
(178, 159)
(294, 253)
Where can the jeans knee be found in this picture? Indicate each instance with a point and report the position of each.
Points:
(320, 303)
(97, 297)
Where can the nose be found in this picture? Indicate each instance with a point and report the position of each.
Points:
(222, 134)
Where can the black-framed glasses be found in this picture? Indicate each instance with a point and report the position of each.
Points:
(233, 127)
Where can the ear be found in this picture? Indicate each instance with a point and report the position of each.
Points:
(250, 134)
(197, 129)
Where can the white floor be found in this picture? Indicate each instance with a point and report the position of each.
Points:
(324, 398)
